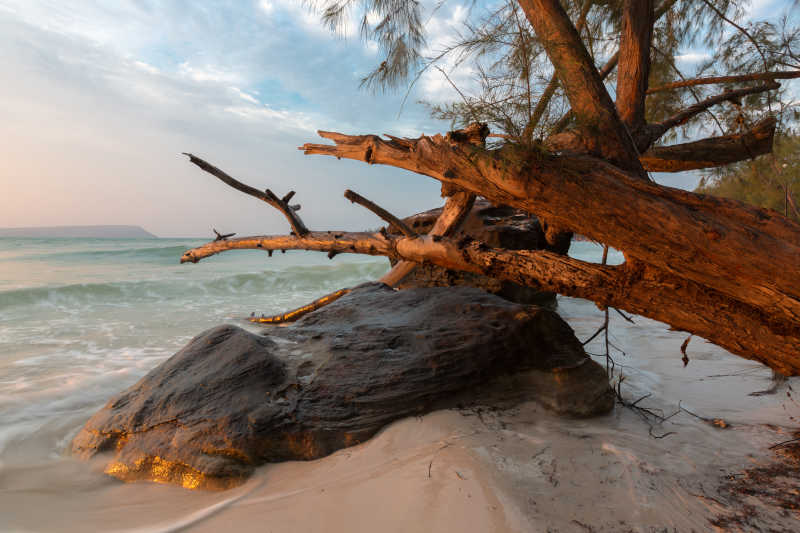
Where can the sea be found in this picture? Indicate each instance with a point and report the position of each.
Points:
(83, 319)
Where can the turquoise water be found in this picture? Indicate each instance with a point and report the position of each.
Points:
(81, 319)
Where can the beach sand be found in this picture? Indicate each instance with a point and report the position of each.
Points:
(484, 469)
(469, 470)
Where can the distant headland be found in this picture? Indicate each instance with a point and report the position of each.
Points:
(85, 232)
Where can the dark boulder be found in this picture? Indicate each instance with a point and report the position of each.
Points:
(231, 400)
(499, 227)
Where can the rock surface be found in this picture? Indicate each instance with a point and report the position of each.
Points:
(500, 227)
(231, 400)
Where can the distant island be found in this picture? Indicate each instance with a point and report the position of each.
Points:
(78, 232)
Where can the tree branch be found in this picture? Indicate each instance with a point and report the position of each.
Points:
(707, 240)
(300, 312)
(550, 90)
(268, 196)
(606, 69)
(585, 91)
(634, 62)
(637, 289)
(652, 132)
(786, 75)
(455, 211)
(713, 152)
(381, 212)
(366, 243)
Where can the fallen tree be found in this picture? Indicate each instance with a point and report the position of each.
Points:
(717, 268)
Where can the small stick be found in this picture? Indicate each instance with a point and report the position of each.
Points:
(623, 315)
(221, 237)
(296, 314)
(381, 212)
(685, 357)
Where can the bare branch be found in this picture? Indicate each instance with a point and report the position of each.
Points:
(381, 212)
(726, 79)
(300, 312)
(268, 196)
(546, 185)
(652, 132)
(321, 241)
(712, 152)
(455, 211)
(686, 306)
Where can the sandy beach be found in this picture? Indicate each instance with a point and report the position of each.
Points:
(481, 468)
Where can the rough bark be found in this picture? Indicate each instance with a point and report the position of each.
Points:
(712, 152)
(757, 76)
(455, 210)
(604, 134)
(747, 253)
(634, 61)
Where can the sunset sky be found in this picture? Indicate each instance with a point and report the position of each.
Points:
(99, 99)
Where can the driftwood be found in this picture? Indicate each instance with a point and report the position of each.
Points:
(712, 267)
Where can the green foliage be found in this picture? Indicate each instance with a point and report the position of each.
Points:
(764, 181)
(512, 73)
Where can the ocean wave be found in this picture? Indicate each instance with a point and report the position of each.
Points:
(157, 253)
(284, 282)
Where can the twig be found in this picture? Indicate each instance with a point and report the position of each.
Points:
(685, 357)
(221, 237)
(595, 334)
(716, 422)
(784, 443)
(381, 212)
(296, 314)
(623, 315)
(466, 102)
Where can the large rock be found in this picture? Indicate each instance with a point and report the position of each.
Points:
(231, 400)
(499, 227)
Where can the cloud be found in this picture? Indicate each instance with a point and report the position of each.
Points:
(208, 73)
(100, 122)
(693, 57)
(243, 95)
(146, 67)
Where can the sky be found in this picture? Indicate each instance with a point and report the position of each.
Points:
(99, 99)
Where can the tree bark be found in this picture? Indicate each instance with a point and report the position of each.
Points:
(634, 61)
(712, 152)
(455, 211)
(747, 253)
(605, 135)
(758, 76)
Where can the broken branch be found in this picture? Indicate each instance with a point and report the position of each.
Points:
(268, 196)
(786, 75)
(381, 212)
